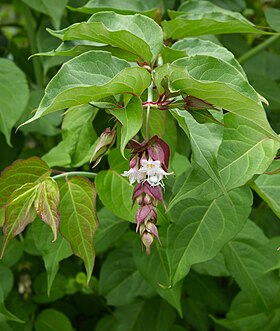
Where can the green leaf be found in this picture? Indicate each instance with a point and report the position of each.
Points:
(196, 18)
(205, 141)
(148, 8)
(120, 282)
(197, 46)
(110, 229)
(137, 34)
(131, 120)
(245, 314)
(268, 188)
(78, 219)
(155, 269)
(19, 173)
(78, 137)
(223, 87)
(151, 315)
(51, 319)
(215, 267)
(248, 258)
(19, 212)
(12, 83)
(5, 315)
(107, 183)
(272, 16)
(7, 279)
(52, 252)
(210, 224)
(51, 8)
(89, 77)
(46, 204)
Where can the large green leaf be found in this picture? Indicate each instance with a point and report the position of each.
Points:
(201, 229)
(19, 173)
(89, 77)
(52, 252)
(131, 120)
(136, 34)
(19, 212)
(245, 314)
(78, 219)
(268, 188)
(148, 8)
(218, 83)
(51, 319)
(107, 184)
(52, 8)
(120, 281)
(14, 95)
(196, 18)
(248, 258)
(46, 204)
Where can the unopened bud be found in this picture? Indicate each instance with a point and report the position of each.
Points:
(147, 239)
(104, 142)
(193, 103)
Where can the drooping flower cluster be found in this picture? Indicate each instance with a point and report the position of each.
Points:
(148, 167)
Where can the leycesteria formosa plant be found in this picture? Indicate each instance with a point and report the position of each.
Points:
(148, 120)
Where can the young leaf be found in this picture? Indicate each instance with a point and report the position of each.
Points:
(196, 18)
(19, 173)
(223, 87)
(78, 219)
(19, 212)
(136, 34)
(12, 83)
(201, 228)
(46, 204)
(131, 120)
(107, 183)
(89, 77)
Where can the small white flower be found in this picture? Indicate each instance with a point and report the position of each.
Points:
(132, 175)
(152, 172)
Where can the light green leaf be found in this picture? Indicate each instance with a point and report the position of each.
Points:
(137, 34)
(201, 228)
(272, 16)
(215, 267)
(120, 282)
(52, 252)
(51, 319)
(5, 315)
(52, 8)
(196, 18)
(19, 173)
(218, 83)
(131, 120)
(107, 183)
(78, 219)
(91, 76)
(248, 258)
(268, 188)
(46, 204)
(14, 96)
(19, 212)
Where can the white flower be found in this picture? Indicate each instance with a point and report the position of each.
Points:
(132, 175)
(152, 172)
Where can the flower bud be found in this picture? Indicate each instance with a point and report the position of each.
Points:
(104, 142)
(147, 239)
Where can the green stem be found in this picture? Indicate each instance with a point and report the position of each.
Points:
(76, 173)
(254, 51)
(33, 45)
(150, 98)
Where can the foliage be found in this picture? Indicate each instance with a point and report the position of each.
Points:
(137, 85)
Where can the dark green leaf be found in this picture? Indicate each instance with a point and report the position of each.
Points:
(5, 315)
(51, 319)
